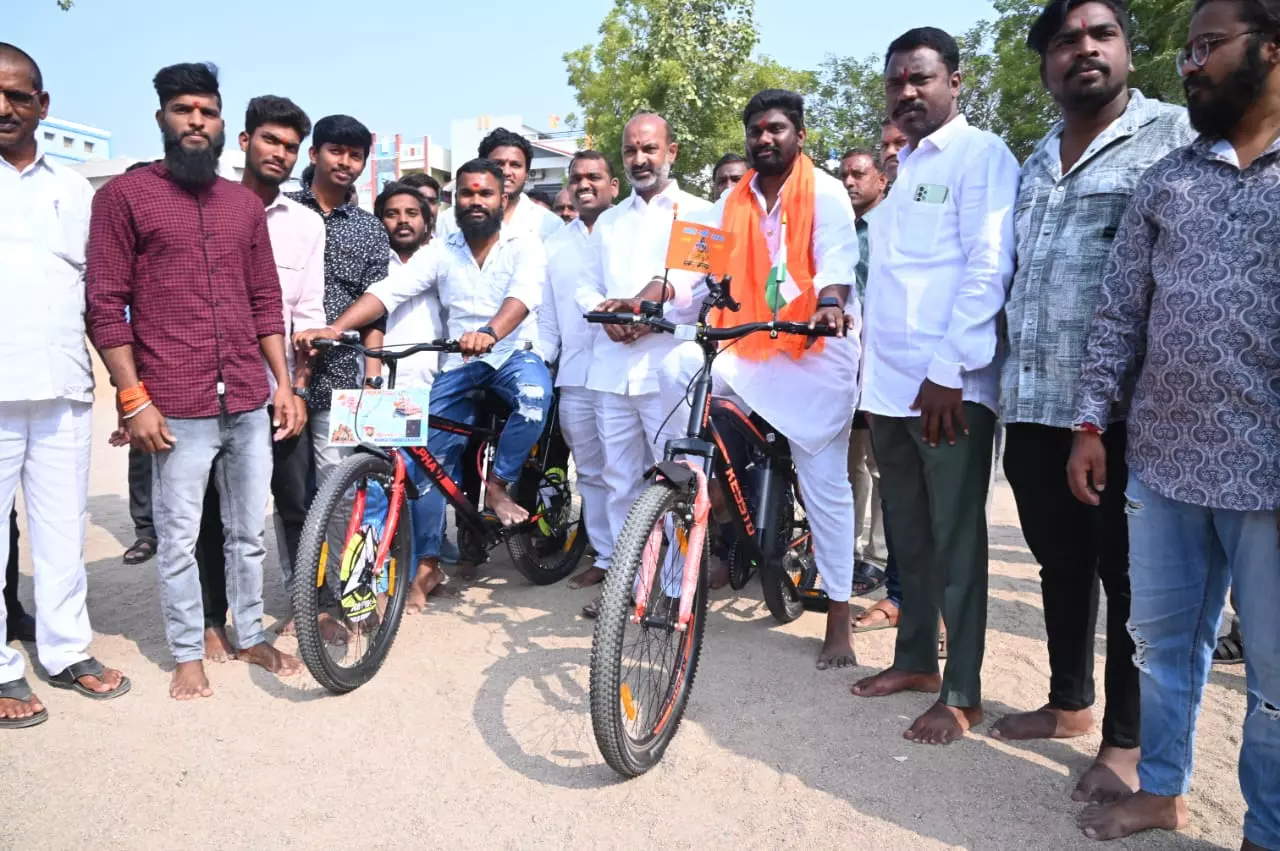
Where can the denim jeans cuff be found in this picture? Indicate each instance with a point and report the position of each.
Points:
(1165, 783)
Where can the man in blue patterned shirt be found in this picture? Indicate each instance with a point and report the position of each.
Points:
(1190, 308)
(1074, 188)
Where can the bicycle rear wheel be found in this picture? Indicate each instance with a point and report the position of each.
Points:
(346, 615)
(780, 575)
(642, 674)
(551, 549)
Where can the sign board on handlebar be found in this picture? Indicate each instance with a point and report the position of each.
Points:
(380, 417)
(698, 248)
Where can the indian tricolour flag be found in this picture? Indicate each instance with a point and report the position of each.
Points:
(779, 290)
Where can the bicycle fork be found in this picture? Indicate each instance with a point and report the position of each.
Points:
(692, 555)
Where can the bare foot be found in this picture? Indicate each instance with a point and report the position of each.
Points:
(466, 570)
(265, 656)
(14, 708)
(837, 646)
(1047, 722)
(883, 615)
(1138, 812)
(189, 681)
(890, 682)
(288, 629)
(430, 582)
(591, 576)
(1113, 775)
(943, 724)
(217, 647)
(497, 500)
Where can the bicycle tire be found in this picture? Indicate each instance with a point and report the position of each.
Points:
(311, 645)
(607, 715)
(781, 596)
(550, 551)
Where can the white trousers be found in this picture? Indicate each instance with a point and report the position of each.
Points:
(45, 446)
(824, 475)
(864, 475)
(629, 433)
(579, 422)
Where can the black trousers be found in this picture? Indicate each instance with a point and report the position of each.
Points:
(13, 608)
(291, 490)
(140, 494)
(1077, 545)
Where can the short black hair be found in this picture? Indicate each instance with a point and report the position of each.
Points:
(272, 109)
(308, 175)
(1261, 15)
(37, 79)
(939, 41)
(342, 130)
(187, 78)
(863, 152)
(1054, 15)
(788, 103)
(421, 179)
(589, 154)
(480, 165)
(728, 158)
(544, 195)
(504, 138)
(395, 188)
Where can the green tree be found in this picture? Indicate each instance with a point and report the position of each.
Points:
(689, 60)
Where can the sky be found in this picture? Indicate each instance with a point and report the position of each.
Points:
(409, 67)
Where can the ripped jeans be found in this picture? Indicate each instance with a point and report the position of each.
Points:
(1182, 559)
(524, 383)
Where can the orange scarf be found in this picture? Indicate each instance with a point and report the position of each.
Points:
(750, 263)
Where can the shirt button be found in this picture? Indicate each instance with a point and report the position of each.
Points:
(1062, 188)
(1026, 368)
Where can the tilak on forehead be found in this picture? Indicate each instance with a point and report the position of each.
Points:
(906, 73)
(762, 125)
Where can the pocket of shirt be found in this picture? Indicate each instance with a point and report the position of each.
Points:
(918, 225)
(1103, 199)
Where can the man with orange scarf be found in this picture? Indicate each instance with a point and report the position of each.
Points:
(786, 211)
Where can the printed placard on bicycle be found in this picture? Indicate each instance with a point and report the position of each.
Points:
(380, 417)
(698, 248)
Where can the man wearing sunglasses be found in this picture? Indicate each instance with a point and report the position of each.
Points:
(46, 421)
(1187, 317)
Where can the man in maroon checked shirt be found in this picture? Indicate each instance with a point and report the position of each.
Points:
(188, 254)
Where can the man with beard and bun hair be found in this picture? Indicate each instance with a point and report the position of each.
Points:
(941, 260)
(804, 388)
(513, 154)
(627, 245)
(405, 214)
(189, 254)
(564, 334)
(1108, 136)
(1186, 328)
(274, 129)
(490, 283)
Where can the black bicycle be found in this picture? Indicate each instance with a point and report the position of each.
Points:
(357, 545)
(648, 636)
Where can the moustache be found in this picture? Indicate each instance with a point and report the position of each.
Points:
(766, 149)
(1083, 65)
(907, 108)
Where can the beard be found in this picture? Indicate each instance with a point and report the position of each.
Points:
(776, 165)
(1220, 106)
(1095, 97)
(659, 174)
(192, 169)
(479, 228)
(407, 242)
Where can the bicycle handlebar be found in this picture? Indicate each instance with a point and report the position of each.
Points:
(351, 340)
(706, 332)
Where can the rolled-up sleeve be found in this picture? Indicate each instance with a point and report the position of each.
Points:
(417, 276)
(109, 270)
(266, 301)
(987, 192)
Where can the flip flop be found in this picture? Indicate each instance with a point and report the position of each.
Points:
(69, 678)
(142, 550)
(1229, 651)
(19, 690)
(889, 621)
(867, 577)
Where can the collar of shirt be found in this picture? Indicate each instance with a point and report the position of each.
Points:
(42, 161)
(1224, 152)
(1137, 114)
(668, 197)
(939, 139)
(307, 198)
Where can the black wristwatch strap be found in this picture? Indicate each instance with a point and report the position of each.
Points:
(830, 301)
(488, 329)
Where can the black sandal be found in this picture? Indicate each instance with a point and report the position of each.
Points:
(20, 691)
(69, 678)
(1229, 651)
(867, 577)
(142, 550)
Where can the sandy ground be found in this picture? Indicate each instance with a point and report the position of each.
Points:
(477, 734)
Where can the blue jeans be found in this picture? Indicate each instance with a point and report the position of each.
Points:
(524, 383)
(1182, 560)
(236, 450)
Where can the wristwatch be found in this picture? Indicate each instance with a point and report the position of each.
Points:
(488, 329)
(302, 393)
(373, 383)
(830, 301)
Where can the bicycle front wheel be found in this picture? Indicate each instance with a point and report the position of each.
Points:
(642, 673)
(346, 611)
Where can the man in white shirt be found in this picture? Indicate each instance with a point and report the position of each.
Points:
(805, 389)
(490, 283)
(563, 333)
(627, 245)
(46, 404)
(943, 259)
(514, 155)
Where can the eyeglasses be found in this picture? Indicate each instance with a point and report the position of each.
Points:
(20, 100)
(1198, 49)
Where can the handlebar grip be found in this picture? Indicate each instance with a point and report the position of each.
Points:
(324, 344)
(604, 318)
(803, 330)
